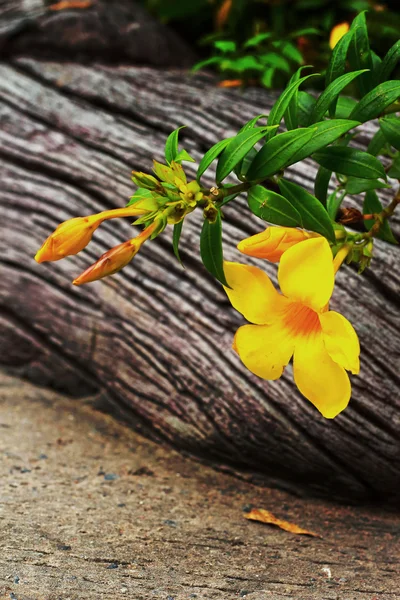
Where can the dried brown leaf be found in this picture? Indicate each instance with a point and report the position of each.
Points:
(264, 516)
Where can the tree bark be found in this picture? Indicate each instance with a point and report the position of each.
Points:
(156, 337)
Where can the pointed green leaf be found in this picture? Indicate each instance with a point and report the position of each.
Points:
(225, 46)
(171, 145)
(205, 63)
(331, 94)
(278, 153)
(333, 203)
(280, 106)
(210, 156)
(272, 207)
(237, 149)
(344, 106)
(337, 65)
(391, 130)
(257, 39)
(326, 132)
(389, 62)
(305, 106)
(176, 236)
(394, 170)
(349, 161)
(359, 53)
(375, 102)
(373, 205)
(321, 184)
(376, 144)
(211, 249)
(184, 156)
(355, 185)
(291, 113)
(252, 123)
(313, 215)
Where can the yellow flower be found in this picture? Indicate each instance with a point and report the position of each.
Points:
(117, 258)
(296, 323)
(273, 242)
(190, 192)
(337, 33)
(71, 236)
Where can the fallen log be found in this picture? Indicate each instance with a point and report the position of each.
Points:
(156, 338)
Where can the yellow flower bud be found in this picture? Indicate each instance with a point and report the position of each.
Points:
(117, 258)
(71, 236)
(273, 242)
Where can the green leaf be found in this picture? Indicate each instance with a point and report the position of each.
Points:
(326, 132)
(344, 106)
(184, 156)
(333, 203)
(305, 106)
(267, 77)
(331, 94)
(373, 205)
(376, 144)
(171, 145)
(252, 123)
(321, 184)
(359, 53)
(237, 149)
(337, 63)
(176, 236)
(225, 46)
(271, 59)
(205, 63)
(312, 213)
(277, 153)
(272, 207)
(244, 63)
(355, 185)
(210, 156)
(290, 51)
(257, 39)
(141, 194)
(394, 170)
(389, 62)
(280, 106)
(211, 249)
(391, 130)
(291, 113)
(375, 102)
(349, 161)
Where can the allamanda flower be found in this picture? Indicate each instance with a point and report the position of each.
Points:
(296, 323)
(273, 242)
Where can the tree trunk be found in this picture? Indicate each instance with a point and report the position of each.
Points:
(156, 337)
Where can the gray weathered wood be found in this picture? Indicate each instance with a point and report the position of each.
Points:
(156, 337)
(89, 509)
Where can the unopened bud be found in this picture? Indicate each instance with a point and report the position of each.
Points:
(73, 235)
(144, 180)
(117, 258)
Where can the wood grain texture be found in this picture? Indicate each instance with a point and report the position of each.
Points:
(90, 509)
(156, 337)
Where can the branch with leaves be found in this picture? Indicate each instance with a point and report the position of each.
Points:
(308, 234)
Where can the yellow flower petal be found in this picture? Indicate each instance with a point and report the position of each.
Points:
(272, 242)
(252, 293)
(337, 33)
(341, 341)
(306, 273)
(264, 349)
(320, 379)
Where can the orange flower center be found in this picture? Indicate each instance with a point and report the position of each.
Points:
(301, 320)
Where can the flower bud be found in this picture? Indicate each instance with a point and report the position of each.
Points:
(117, 258)
(273, 242)
(71, 236)
(337, 33)
(143, 180)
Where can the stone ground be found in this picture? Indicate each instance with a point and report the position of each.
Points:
(90, 509)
